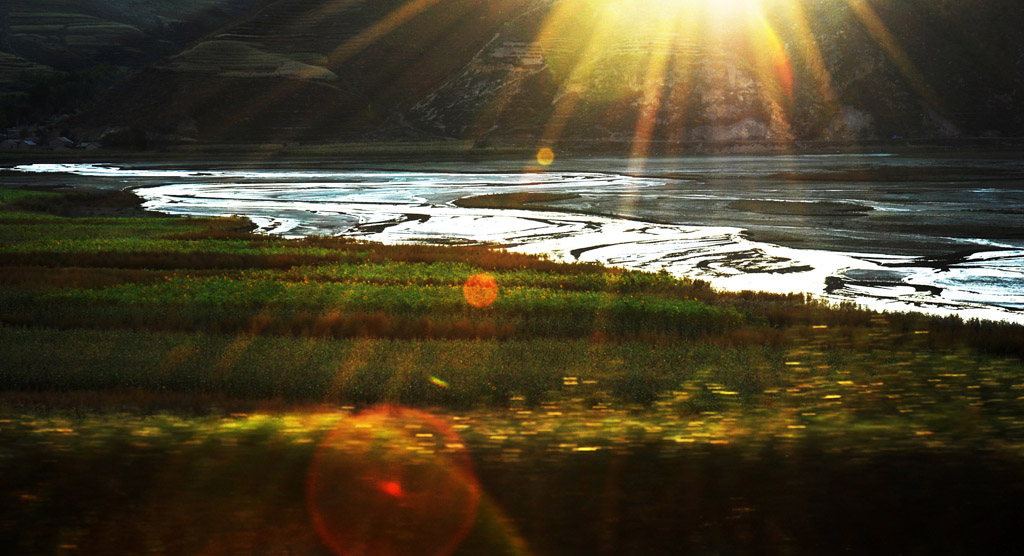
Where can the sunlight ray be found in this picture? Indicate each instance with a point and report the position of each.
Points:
(809, 51)
(349, 47)
(566, 29)
(332, 8)
(775, 72)
(490, 115)
(572, 86)
(654, 87)
(256, 105)
(375, 32)
(771, 57)
(877, 28)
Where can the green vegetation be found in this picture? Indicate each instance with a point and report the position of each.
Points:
(512, 200)
(240, 59)
(166, 384)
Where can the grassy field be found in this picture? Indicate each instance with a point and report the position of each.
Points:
(183, 386)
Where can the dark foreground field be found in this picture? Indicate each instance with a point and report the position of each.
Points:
(181, 386)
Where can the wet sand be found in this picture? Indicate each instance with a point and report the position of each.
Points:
(945, 240)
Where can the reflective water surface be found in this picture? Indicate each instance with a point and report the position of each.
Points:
(934, 234)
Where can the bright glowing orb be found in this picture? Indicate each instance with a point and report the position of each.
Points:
(392, 482)
(392, 488)
(481, 290)
(545, 156)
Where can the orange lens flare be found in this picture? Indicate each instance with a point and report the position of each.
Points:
(392, 482)
(545, 156)
(392, 488)
(481, 290)
(784, 76)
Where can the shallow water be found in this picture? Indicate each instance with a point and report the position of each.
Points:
(933, 234)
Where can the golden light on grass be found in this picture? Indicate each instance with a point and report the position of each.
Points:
(480, 290)
(545, 156)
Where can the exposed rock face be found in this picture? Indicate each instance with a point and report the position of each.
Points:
(523, 71)
(850, 124)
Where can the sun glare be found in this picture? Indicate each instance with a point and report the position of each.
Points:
(720, 8)
(649, 54)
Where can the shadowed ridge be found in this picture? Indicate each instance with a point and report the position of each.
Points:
(305, 69)
(568, 71)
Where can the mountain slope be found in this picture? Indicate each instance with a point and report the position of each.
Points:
(549, 71)
(56, 54)
(306, 69)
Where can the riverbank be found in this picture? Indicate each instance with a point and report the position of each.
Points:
(469, 150)
(160, 371)
(945, 240)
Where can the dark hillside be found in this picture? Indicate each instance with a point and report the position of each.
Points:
(307, 69)
(550, 71)
(57, 54)
(66, 34)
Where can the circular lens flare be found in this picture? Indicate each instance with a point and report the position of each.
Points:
(545, 156)
(392, 482)
(392, 488)
(480, 290)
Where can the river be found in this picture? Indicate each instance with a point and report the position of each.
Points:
(940, 234)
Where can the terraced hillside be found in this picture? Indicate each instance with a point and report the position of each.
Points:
(171, 386)
(519, 71)
(66, 44)
(65, 34)
(842, 72)
(300, 69)
(532, 71)
(12, 67)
